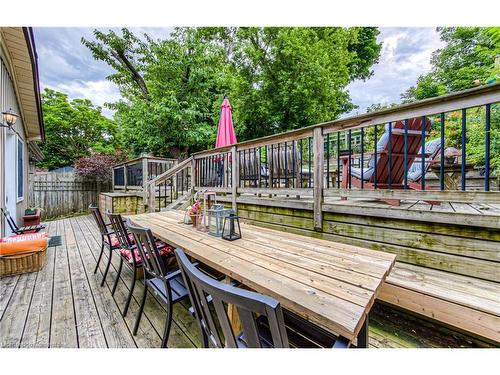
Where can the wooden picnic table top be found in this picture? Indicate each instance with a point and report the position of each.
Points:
(331, 284)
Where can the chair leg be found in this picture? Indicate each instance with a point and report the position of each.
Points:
(130, 292)
(99, 259)
(141, 308)
(168, 324)
(107, 267)
(204, 340)
(117, 276)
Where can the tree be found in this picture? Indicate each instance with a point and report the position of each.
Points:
(276, 78)
(287, 78)
(73, 128)
(466, 61)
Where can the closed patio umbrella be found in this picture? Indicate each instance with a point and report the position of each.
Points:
(225, 131)
(225, 134)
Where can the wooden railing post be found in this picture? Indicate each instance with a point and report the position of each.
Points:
(235, 178)
(125, 177)
(144, 171)
(151, 190)
(193, 174)
(318, 155)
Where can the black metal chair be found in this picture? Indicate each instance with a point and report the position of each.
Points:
(210, 298)
(129, 257)
(108, 240)
(168, 287)
(20, 230)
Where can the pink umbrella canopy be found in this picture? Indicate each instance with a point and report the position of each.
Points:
(225, 130)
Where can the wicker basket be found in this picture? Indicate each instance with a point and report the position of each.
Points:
(22, 263)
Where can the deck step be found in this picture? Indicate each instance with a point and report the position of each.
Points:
(463, 302)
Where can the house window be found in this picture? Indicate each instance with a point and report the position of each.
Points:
(20, 170)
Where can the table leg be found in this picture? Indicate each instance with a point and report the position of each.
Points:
(232, 313)
(363, 335)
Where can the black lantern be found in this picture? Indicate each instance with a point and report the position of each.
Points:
(231, 230)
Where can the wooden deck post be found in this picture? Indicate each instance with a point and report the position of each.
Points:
(235, 178)
(318, 155)
(193, 174)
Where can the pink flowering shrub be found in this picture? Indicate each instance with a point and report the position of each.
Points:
(98, 166)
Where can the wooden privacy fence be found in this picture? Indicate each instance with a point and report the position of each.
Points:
(63, 194)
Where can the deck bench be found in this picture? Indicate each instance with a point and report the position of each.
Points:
(469, 304)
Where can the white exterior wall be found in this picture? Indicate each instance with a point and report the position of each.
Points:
(8, 153)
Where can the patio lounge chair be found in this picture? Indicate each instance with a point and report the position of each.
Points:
(20, 230)
(381, 177)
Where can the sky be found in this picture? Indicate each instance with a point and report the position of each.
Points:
(68, 66)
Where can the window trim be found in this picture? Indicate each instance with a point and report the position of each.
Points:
(19, 139)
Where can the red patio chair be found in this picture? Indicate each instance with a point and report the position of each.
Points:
(382, 163)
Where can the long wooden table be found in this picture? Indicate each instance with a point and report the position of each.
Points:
(332, 285)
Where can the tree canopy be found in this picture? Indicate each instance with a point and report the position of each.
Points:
(467, 60)
(74, 128)
(276, 79)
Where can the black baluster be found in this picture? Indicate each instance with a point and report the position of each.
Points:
(406, 154)
(301, 155)
(362, 156)
(255, 166)
(422, 161)
(271, 169)
(349, 156)
(464, 146)
(286, 164)
(309, 161)
(259, 166)
(389, 181)
(328, 160)
(279, 165)
(239, 167)
(338, 161)
(487, 150)
(375, 158)
(293, 165)
(441, 161)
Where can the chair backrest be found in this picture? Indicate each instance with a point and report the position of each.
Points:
(248, 304)
(12, 224)
(96, 213)
(397, 149)
(120, 231)
(432, 148)
(151, 258)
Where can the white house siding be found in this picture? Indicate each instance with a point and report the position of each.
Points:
(8, 155)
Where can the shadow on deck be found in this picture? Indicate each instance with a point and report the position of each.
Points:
(63, 305)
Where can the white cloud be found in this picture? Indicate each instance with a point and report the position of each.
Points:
(98, 92)
(405, 55)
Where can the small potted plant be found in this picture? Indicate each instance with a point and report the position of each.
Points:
(31, 216)
(193, 212)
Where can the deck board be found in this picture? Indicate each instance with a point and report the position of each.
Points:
(64, 332)
(113, 327)
(45, 309)
(86, 315)
(37, 330)
(154, 313)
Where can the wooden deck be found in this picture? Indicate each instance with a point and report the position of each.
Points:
(63, 305)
